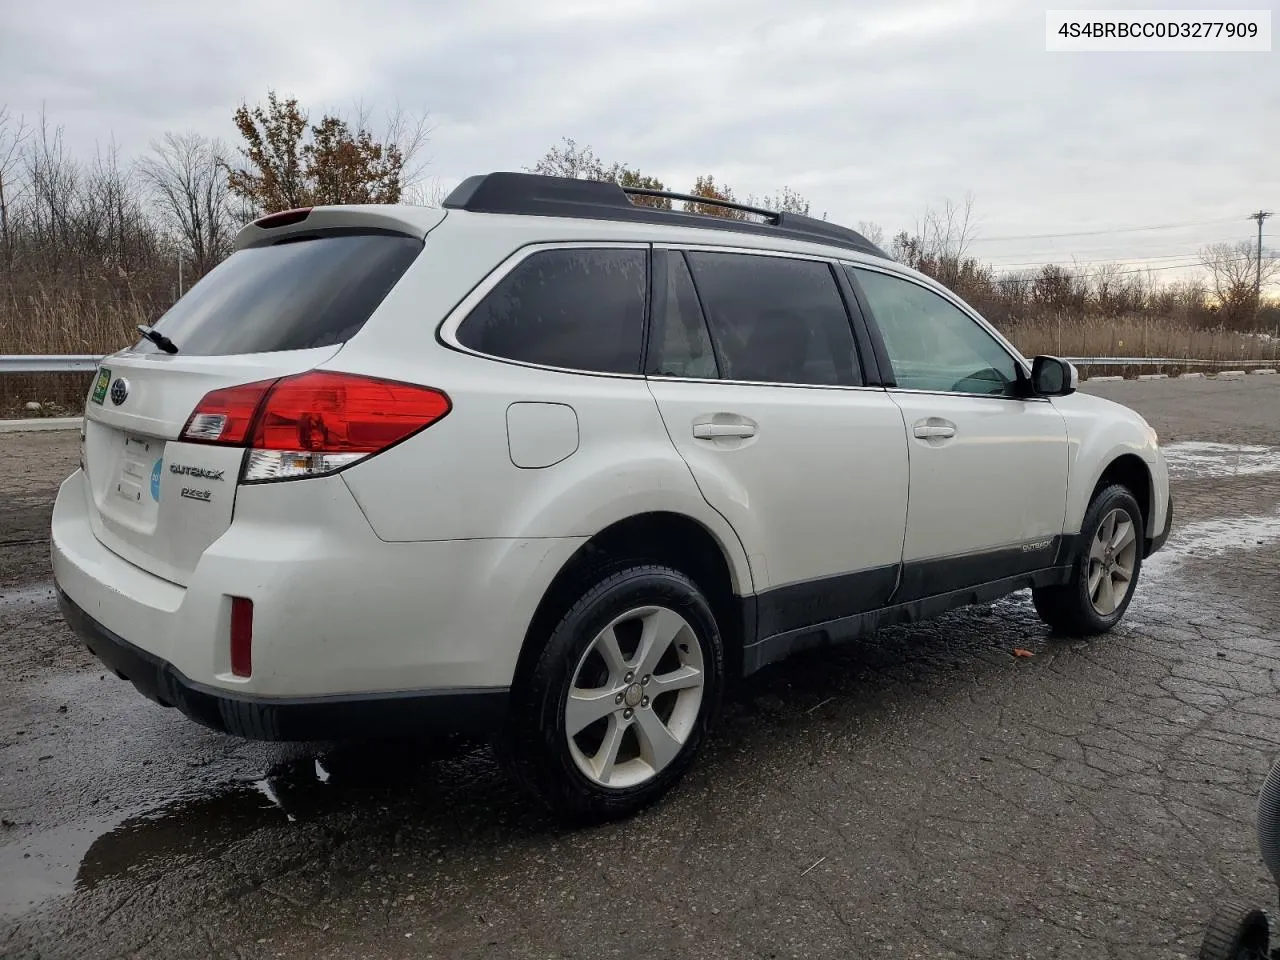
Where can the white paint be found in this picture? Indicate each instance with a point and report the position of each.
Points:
(1001, 506)
(449, 546)
(541, 434)
(40, 423)
(1196, 459)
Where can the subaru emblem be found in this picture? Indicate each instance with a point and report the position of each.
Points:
(119, 391)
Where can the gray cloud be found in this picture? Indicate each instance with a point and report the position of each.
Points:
(872, 110)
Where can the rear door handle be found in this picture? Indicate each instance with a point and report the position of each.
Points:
(718, 431)
(934, 430)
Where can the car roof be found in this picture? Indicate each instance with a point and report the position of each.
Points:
(527, 194)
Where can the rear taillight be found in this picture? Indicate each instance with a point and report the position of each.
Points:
(226, 416)
(313, 423)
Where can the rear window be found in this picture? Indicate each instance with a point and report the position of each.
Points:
(580, 309)
(292, 295)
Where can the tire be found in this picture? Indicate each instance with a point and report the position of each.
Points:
(1237, 932)
(573, 775)
(1073, 608)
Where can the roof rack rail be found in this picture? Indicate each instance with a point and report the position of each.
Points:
(771, 216)
(532, 194)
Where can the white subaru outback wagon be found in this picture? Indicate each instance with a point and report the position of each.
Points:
(553, 463)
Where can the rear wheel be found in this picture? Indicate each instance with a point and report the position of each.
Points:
(1237, 932)
(1106, 571)
(612, 713)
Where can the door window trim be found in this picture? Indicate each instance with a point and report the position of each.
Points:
(854, 319)
(447, 330)
(1020, 362)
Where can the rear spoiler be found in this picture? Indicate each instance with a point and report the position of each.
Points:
(391, 218)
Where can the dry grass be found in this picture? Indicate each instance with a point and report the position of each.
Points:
(83, 323)
(1132, 337)
(49, 323)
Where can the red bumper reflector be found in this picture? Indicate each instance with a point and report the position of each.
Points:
(241, 637)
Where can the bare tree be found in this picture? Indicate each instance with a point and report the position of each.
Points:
(948, 233)
(872, 231)
(13, 134)
(1233, 270)
(425, 193)
(53, 183)
(570, 160)
(785, 201)
(187, 175)
(408, 131)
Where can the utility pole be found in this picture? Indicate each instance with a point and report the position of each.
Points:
(1257, 277)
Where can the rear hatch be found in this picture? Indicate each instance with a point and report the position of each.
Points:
(283, 303)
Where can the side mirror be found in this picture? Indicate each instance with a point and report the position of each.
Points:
(1053, 377)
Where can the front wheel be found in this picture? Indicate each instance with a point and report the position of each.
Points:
(1105, 573)
(621, 696)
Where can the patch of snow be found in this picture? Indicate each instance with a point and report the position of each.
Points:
(1196, 459)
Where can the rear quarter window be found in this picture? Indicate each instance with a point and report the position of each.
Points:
(312, 291)
(580, 309)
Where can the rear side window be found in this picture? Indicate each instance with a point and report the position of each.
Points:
(577, 308)
(680, 344)
(292, 295)
(776, 320)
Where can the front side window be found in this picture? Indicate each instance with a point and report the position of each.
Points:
(580, 309)
(776, 320)
(932, 343)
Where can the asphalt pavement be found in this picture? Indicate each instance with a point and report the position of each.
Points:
(922, 794)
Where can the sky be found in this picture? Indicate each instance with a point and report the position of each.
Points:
(874, 110)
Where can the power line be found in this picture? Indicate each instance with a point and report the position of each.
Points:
(1121, 253)
(1122, 273)
(1097, 233)
(1190, 257)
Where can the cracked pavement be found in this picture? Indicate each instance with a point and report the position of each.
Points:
(923, 794)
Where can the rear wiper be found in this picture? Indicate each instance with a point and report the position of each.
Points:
(158, 338)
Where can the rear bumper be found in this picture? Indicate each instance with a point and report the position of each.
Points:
(1158, 541)
(337, 613)
(466, 712)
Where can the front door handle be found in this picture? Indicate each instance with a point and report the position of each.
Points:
(934, 429)
(720, 431)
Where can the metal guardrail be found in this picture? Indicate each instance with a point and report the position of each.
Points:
(49, 363)
(87, 362)
(1160, 362)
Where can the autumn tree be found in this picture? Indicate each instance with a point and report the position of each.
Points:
(706, 186)
(291, 162)
(187, 174)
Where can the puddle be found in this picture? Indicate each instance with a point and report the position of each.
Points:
(144, 844)
(1196, 459)
(32, 594)
(1205, 539)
